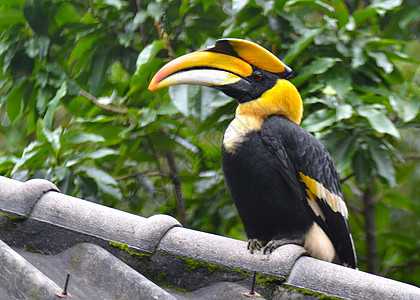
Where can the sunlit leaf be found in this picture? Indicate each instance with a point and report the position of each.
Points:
(53, 105)
(102, 152)
(344, 111)
(182, 97)
(319, 120)
(382, 61)
(148, 53)
(379, 121)
(238, 5)
(406, 109)
(116, 3)
(78, 137)
(386, 4)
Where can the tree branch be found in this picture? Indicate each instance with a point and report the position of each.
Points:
(411, 264)
(95, 101)
(145, 173)
(141, 25)
(412, 157)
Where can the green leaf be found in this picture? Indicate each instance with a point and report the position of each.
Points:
(342, 13)
(148, 54)
(100, 65)
(407, 110)
(11, 16)
(100, 153)
(182, 97)
(115, 3)
(379, 121)
(14, 101)
(339, 78)
(156, 10)
(362, 167)
(301, 44)
(344, 111)
(99, 175)
(211, 99)
(37, 46)
(342, 152)
(382, 161)
(83, 46)
(401, 57)
(318, 66)
(397, 200)
(382, 61)
(386, 4)
(53, 138)
(30, 153)
(320, 119)
(162, 141)
(238, 5)
(66, 14)
(377, 42)
(66, 183)
(311, 3)
(37, 16)
(147, 116)
(113, 191)
(360, 16)
(382, 214)
(79, 137)
(53, 105)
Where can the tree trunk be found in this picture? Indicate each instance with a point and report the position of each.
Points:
(176, 181)
(371, 234)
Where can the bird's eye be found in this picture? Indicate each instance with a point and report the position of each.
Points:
(258, 76)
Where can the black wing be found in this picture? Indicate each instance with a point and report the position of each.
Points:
(308, 168)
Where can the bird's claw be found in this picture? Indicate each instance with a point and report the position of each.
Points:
(254, 244)
(274, 244)
(268, 248)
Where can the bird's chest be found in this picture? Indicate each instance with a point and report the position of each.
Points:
(240, 131)
(246, 160)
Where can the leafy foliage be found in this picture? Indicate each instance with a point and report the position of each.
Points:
(75, 107)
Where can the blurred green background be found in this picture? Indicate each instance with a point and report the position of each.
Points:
(75, 108)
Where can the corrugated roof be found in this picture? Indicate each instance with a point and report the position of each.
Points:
(112, 254)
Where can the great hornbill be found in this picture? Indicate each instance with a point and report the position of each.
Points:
(282, 180)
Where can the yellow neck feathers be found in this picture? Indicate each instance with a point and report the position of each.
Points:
(282, 99)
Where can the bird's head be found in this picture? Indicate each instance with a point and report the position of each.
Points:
(241, 69)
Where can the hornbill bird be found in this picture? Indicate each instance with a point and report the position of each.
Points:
(280, 177)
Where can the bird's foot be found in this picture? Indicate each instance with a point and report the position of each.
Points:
(274, 244)
(254, 244)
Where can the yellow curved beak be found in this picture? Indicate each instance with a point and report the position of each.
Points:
(227, 62)
(201, 68)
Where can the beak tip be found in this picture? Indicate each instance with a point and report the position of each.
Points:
(153, 86)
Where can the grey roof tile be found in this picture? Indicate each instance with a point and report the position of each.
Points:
(227, 252)
(18, 198)
(20, 280)
(95, 274)
(331, 279)
(114, 254)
